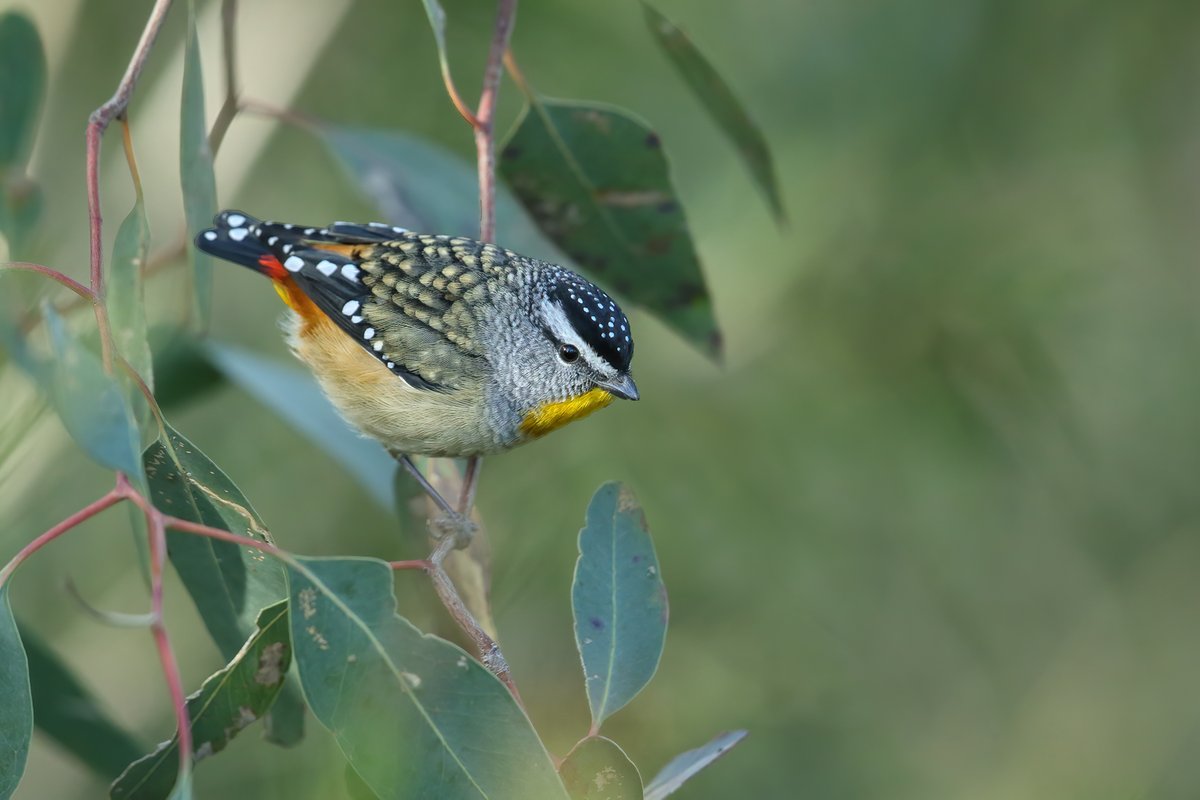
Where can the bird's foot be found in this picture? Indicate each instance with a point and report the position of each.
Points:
(461, 529)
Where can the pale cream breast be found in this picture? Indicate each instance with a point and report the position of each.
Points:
(384, 407)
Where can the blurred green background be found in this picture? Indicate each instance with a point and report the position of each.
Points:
(930, 532)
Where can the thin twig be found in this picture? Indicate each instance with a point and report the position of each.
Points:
(51, 273)
(229, 108)
(489, 651)
(485, 114)
(85, 513)
(162, 641)
(97, 123)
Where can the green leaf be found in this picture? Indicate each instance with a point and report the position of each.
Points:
(597, 769)
(427, 188)
(295, 396)
(684, 766)
(22, 85)
(437, 21)
(721, 103)
(126, 303)
(20, 209)
(618, 600)
(66, 711)
(414, 714)
(227, 702)
(16, 705)
(196, 169)
(182, 372)
(596, 181)
(91, 403)
(229, 584)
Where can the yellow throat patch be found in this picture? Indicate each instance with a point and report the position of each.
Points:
(552, 416)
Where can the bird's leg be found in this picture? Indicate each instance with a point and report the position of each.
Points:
(452, 522)
(466, 500)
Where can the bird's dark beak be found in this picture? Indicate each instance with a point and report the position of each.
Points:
(621, 386)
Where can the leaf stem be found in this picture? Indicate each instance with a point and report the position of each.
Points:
(485, 114)
(229, 108)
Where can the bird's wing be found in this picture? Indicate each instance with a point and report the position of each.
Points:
(413, 300)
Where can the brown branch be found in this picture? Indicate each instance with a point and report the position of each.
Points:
(51, 273)
(485, 114)
(229, 108)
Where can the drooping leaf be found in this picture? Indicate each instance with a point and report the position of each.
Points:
(720, 102)
(596, 181)
(415, 715)
(196, 169)
(16, 705)
(126, 304)
(227, 702)
(296, 397)
(685, 765)
(66, 711)
(618, 600)
(427, 188)
(229, 584)
(597, 769)
(91, 403)
(22, 85)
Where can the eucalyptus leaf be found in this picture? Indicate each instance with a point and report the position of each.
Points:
(20, 209)
(196, 169)
(126, 303)
(597, 769)
(294, 395)
(229, 584)
(415, 715)
(685, 765)
(228, 701)
(66, 711)
(90, 402)
(596, 181)
(22, 87)
(16, 704)
(720, 102)
(618, 600)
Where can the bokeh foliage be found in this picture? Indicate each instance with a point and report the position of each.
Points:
(931, 531)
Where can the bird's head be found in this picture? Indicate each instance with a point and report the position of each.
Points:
(571, 356)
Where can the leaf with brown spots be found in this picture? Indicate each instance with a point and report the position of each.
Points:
(595, 180)
(229, 584)
(228, 702)
(597, 769)
(414, 715)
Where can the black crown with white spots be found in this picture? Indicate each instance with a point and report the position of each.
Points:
(596, 317)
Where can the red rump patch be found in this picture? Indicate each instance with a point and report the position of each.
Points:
(271, 267)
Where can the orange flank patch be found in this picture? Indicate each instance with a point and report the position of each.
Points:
(291, 294)
(553, 416)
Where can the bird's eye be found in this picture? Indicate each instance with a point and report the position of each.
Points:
(569, 353)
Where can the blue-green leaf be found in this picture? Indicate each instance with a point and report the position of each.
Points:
(65, 710)
(16, 705)
(295, 396)
(597, 769)
(619, 602)
(720, 102)
(414, 714)
(229, 700)
(22, 85)
(196, 169)
(91, 403)
(685, 765)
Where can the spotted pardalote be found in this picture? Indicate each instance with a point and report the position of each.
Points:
(437, 345)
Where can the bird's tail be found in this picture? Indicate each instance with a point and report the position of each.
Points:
(234, 237)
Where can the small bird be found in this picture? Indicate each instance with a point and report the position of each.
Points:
(437, 345)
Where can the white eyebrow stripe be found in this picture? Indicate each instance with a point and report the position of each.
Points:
(562, 330)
